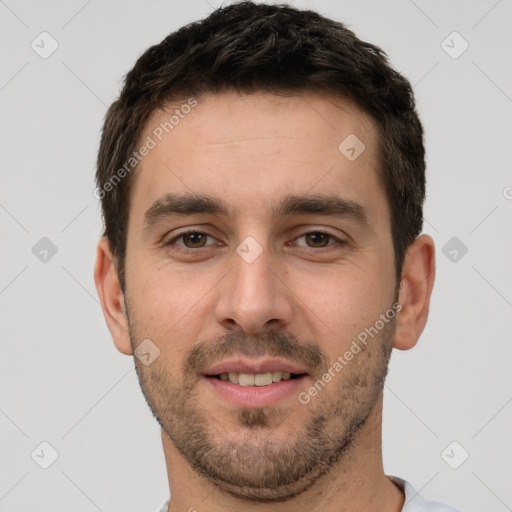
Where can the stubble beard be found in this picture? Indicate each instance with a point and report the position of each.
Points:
(263, 462)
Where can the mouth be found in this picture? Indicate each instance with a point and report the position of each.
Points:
(249, 384)
(257, 380)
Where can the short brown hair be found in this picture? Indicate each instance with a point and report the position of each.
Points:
(249, 47)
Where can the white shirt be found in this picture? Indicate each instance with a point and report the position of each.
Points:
(413, 501)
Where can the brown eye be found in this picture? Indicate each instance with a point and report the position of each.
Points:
(317, 239)
(190, 240)
(194, 240)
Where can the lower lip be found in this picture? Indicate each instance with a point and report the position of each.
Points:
(256, 396)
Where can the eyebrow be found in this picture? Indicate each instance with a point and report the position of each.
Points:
(177, 205)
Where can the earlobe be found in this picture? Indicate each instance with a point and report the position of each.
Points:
(111, 297)
(418, 276)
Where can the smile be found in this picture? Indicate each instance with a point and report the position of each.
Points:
(260, 379)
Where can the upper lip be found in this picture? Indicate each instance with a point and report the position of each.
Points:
(254, 366)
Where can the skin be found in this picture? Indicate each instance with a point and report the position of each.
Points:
(251, 151)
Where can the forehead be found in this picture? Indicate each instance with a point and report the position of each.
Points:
(248, 121)
(250, 148)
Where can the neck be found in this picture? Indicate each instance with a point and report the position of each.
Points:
(357, 482)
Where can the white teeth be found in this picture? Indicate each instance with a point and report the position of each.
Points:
(249, 379)
(246, 379)
(263, 379)
(277, 376)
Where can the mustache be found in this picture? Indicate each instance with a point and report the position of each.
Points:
(270, 343)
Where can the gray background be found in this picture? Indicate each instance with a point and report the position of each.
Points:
(62, 380)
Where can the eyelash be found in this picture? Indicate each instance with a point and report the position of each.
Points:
(173, 240)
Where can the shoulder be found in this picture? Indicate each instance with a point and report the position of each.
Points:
(164, 507)
(415, 503)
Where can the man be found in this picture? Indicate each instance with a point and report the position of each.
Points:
(262, 177)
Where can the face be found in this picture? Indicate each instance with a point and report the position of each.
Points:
(259, 252)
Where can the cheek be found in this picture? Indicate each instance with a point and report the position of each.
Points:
(341, 304)
(168, 306)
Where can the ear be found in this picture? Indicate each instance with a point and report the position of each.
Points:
(418, 276)
(111, 297)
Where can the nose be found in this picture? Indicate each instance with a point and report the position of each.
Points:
(253, 296)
